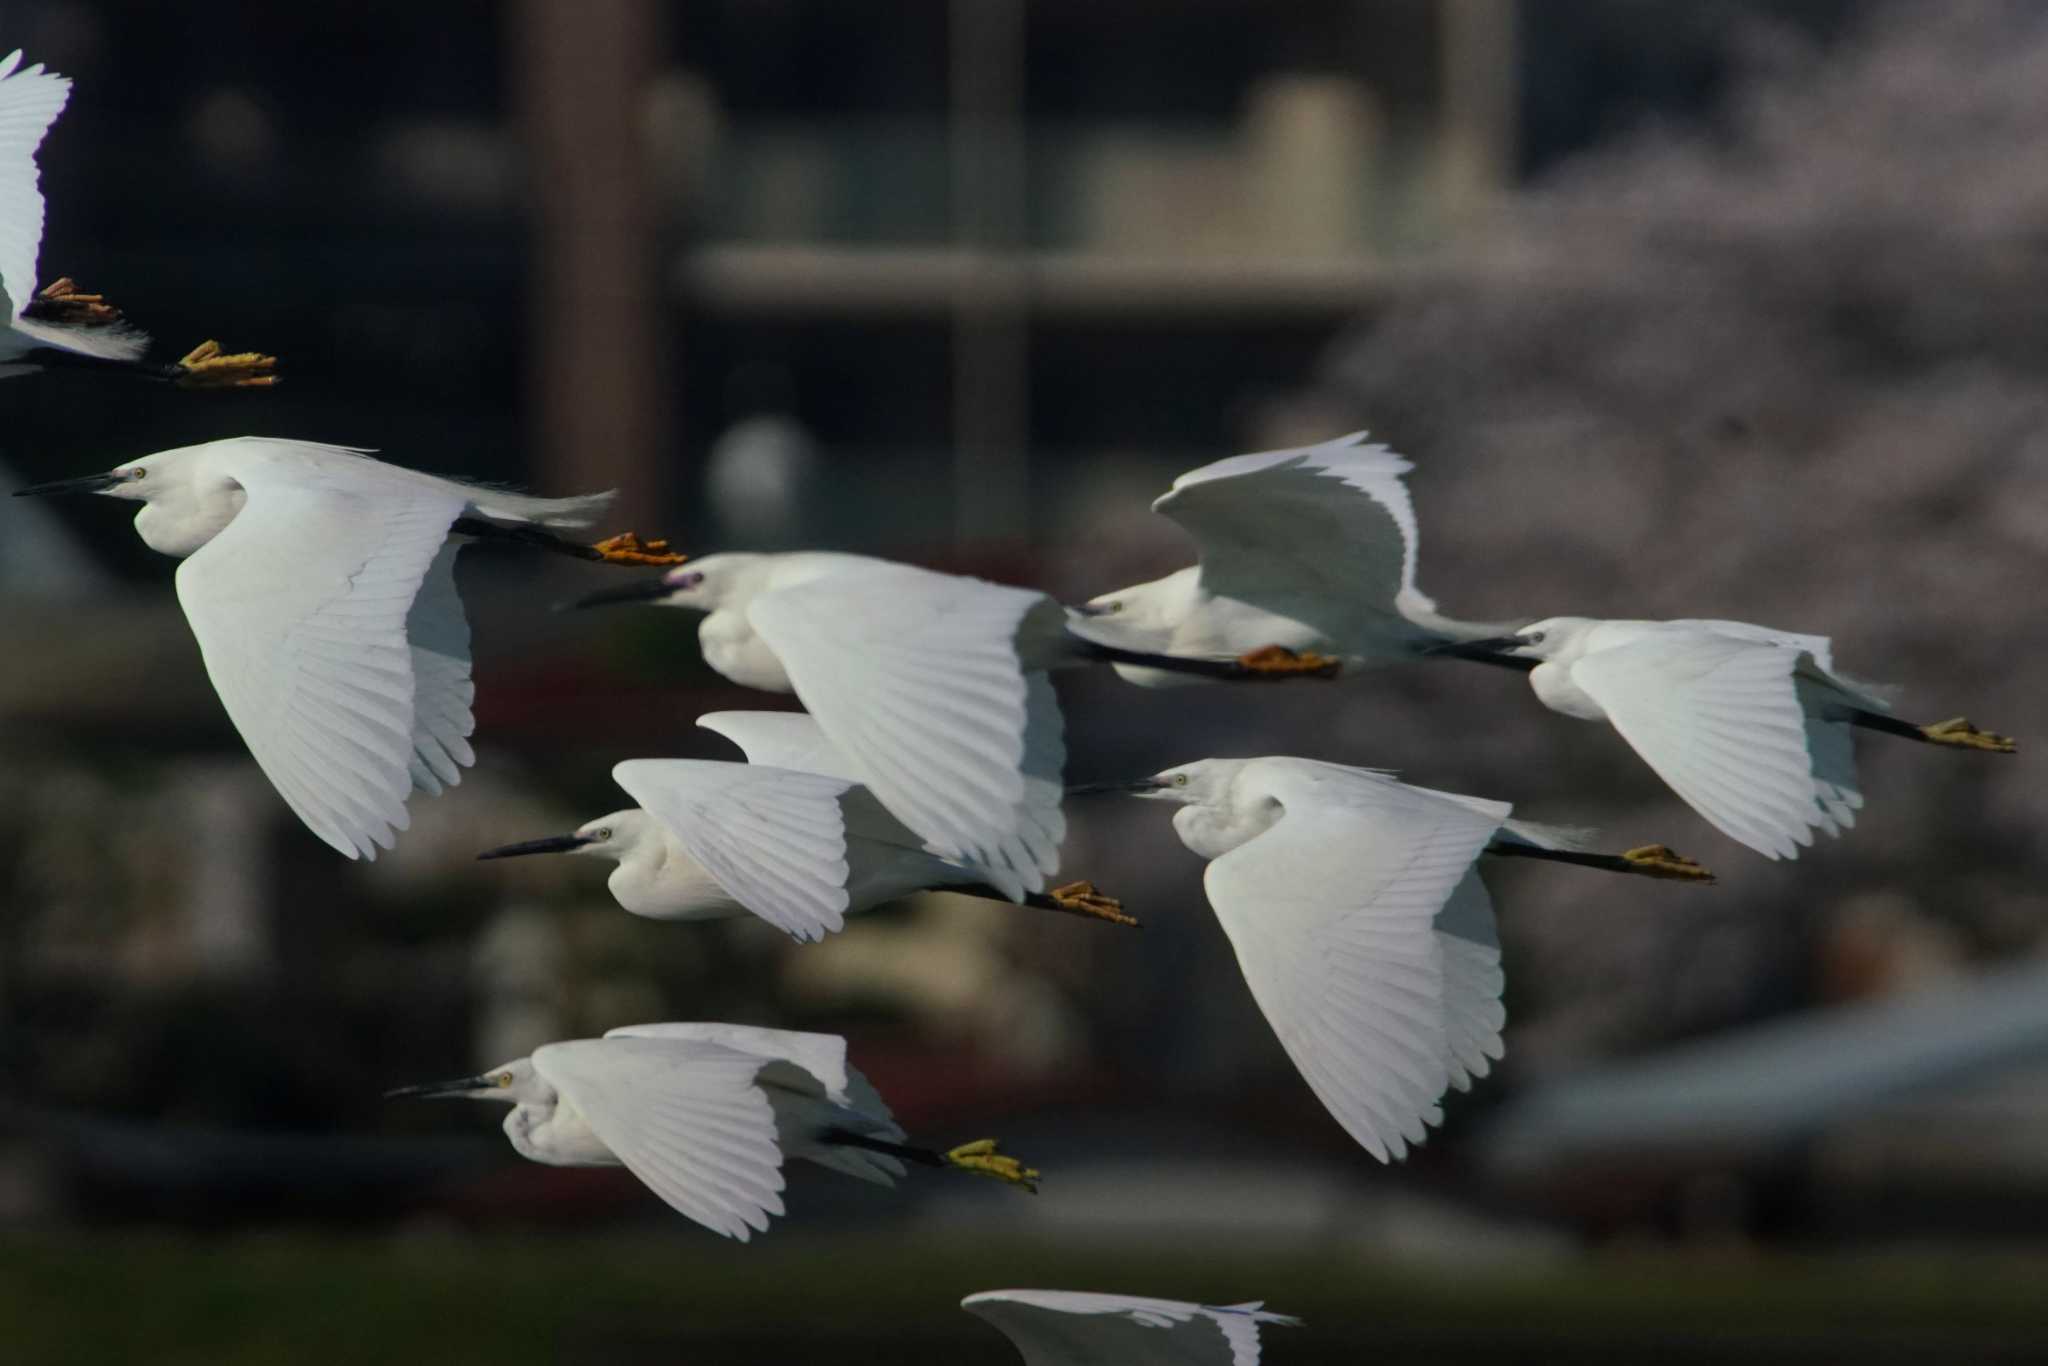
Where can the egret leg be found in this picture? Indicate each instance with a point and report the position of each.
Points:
(1277, 661)
(62, 301)
(980, 1157)
(206, 366)
(1649, 860)
(1956, 732)
(626, 548)
(1225, 670)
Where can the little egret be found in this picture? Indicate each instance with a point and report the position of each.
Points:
(63, 323)
(933, 686)
(790, 836)
(704, 1114)
(1749, 725)
(321, 587)
(1077, 1328)
(1307, 564)
(1361, 925)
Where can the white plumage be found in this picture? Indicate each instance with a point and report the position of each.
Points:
(1362, 931)
(320, 585)
(1312, 549)
(1080, 1328)
(931, 685)
(30, 100)
(704, 1114)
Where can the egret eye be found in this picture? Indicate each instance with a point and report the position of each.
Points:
(503, 1079)
(1114, 607)
(137, 473)
(690, 580)
(1180, 780)
(1533, 638)
(604, 832)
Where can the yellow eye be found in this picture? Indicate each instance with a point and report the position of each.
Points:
(1116, 607)
(1180, 780)
(604, 832)
(503, 1079)
(137, 473)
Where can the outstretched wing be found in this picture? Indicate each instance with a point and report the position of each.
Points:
(917, 678)
(1333, 913)
(821, 1055)
(300, 607)
(1322, 534)
(685, 1116)
(774, 838)
(438, 634)
(781, 739)
(1719, 719)
(1079, 1328)
(30, 100)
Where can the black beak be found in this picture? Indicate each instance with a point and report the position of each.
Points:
(1500, 650)
(647, 590)
(433, 1090)
(1136, 785)
(91, 483)
(553, 844)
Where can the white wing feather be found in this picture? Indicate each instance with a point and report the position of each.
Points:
(685, 1116)
(300, 609)
(30, 100)
(774, 838)
(1079, 1328)
(781, 739)
(916, 677)
(438, 634)
(1322, 534)
(1332, 912)
(1719, 719)
(821, 1055)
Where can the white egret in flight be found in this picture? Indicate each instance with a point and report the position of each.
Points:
(705, 1114)
(1079, 1328)
(1361, 925)
(790, 836)
(321, 587)
(61, 323)
(1307, 563)
(1751, 726)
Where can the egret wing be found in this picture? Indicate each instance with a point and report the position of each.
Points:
(438, 634)
(1332, 911)
(1079, 1328)
(821, 1055)
(1719, 719)
(917, 678)
(774, 838)
(30, 100)
(685, 1116)
(1473, 981)
(300, 607)
(1323, 534)
(781, 739)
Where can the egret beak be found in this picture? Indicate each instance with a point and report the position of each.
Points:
(442, 1090)
(1503, 650)
(1088, 609)
(91, 483)
(647, 590)
(1135, 785)
(553, 844)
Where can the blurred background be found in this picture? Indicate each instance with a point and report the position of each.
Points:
(1713, 309)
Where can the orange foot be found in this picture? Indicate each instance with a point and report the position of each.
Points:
(1958, 731)
(1658, 860)
(63, 302)
(1082, 899)
(206, 366)
(1277, 661)
(626, 548)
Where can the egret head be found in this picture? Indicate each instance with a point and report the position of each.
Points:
(1546, 639)
(1187, 785)
(702, 585)
(1156, 604)
(132, 480)
(614, 837)
(513, 1083)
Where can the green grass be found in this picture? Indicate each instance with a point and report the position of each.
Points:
(241, 1300)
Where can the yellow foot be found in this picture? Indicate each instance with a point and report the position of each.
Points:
(63, 302)
(206, 366)
(1958, 731)
(626, 548)
(981, 1158)
(1279, 661)
(1082, 899)
(1657, 860)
